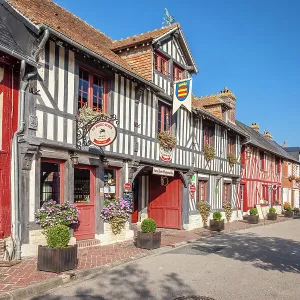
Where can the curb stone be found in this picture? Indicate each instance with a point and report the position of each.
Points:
(43, 286)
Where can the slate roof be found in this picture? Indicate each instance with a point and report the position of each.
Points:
(293, 151)
(264, 143)
(56, 17)
(143, 37)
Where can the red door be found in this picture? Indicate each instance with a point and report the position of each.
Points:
(8, 125)
(165, 202)
(84, 198)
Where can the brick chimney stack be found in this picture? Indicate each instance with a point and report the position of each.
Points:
(268, 135)
(284, 144)
(255, 127)
(229, 98)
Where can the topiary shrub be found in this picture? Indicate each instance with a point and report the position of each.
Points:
(148, 225)
(217, 216)
(204, 209)
(253, 211)
(58, 236)
(228, 210)
(272, 210)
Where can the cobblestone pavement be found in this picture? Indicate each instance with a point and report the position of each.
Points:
(25, 273)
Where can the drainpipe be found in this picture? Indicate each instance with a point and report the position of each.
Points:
(24, 80)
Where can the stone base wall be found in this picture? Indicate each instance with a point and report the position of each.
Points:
(195, 221)
(36, 238)
(108, 237)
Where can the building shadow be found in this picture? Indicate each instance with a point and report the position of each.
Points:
(129, 282)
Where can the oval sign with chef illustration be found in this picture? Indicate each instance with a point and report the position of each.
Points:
(103, 133)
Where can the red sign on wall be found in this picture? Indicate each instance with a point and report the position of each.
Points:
(192, 189)
(192, 195)
(127, 186)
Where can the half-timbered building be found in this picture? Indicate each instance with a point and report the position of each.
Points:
(132, 79)
(264, 170)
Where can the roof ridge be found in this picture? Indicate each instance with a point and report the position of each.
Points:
(154, 30)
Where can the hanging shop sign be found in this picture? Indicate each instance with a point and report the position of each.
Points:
(166, 154)
(182, 94)
(192, 189)
(102, 133)
(163, 171)
(127, 186)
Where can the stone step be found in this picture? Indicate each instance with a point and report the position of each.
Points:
(87, 243)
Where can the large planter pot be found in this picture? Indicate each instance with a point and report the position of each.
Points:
(148, 240)
(57, 260)
(288, 214)
(272, 216)
(253, 219)
(216, 225)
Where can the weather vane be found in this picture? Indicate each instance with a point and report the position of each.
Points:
(168, 19)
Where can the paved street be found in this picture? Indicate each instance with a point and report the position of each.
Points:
(257, 263)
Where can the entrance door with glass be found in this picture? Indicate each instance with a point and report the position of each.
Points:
(84, 198)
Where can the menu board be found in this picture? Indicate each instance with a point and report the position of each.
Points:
(128, 197)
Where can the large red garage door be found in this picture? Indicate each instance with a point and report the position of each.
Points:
(165, 202)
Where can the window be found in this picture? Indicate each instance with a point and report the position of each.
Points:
(161, 64)
(164, 120)
(208, 134)
(265, 192)
(91, 90)
(231, 144)
(262, 160)
(202, 190)
(277, 165)
(227, 192)
(290, 171)
(110, 184)
(51, 181)
(178, 73)
(84, 184)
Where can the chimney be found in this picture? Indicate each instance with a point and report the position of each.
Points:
(268, 135)
(284, 144)
(255, 127)
(229, 98)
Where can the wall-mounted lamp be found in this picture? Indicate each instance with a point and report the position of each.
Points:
(74, 157)
(104, 162)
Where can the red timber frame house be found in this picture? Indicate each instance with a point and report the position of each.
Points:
(262, 169)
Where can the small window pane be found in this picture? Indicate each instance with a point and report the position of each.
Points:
(81, 185)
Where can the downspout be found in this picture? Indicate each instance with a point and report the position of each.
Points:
(24, 80)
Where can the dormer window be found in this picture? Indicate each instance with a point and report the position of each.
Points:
(161, 64)
(178, 73)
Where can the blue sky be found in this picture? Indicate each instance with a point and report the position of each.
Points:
(250, 46)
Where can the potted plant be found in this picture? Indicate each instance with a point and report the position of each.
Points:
(287, 210)
(148, 238)
(116, 212)
(166, 139)
(55, 220)
(204, 209)
(253, 218)
(57, 256)
(296, 211)
(272, 215)
(217, 223)
(209, 152)
(228, 210)
(232, 159)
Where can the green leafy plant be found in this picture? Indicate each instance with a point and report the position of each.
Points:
(58, 236)
(253, 211)
(272, 210)
(204, 209)
(209, 152)
(166, 139)
(148, 225)
(228, 210)
(217, 216)
(231, 159)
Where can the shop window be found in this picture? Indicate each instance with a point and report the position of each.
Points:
(51, 181)
(92, 90)
(82, 185)
(164, 117)
(178, 73)
(208, 134)
(110, 184)
(231, 144)
(202, 190)
(161, 64)
(226, 192)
